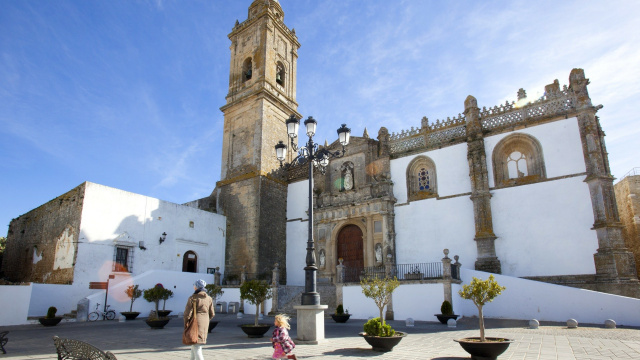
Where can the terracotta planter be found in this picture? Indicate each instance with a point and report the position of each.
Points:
(130, 315)
(488, 350)
(444, 318)
(49, 321)
(164, 313)
(212, 324)
(254, 331)
(342, 318)
(157, 323)
(383, 344)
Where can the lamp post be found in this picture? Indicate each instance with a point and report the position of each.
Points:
(316, 157)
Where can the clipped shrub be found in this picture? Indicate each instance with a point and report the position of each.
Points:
(51, 312)
(374, 327)
(340, 310)
(446, 308)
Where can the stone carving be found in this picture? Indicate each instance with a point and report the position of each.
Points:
(378, 253)
(322, 258)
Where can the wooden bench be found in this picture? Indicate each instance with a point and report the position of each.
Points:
(69, 349)
(3, 340)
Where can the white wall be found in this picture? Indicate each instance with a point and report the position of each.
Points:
(544, 228)
(45, 295)
(111, 216)
(297, 231)
(526, 299)
(452, 172)
(14, 302)
(561, 147)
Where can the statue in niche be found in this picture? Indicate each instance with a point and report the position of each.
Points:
(322, 258)
(348, 180)
(378, 253)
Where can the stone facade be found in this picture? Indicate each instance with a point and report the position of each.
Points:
(628, 197)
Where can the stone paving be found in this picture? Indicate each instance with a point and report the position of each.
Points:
(426, 340)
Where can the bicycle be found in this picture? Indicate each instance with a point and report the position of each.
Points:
(106, 315)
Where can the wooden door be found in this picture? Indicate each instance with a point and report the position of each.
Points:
(190, 262)
(350, 249)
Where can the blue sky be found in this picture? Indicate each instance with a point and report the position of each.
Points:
(127, 93)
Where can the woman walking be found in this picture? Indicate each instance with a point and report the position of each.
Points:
(204, 313)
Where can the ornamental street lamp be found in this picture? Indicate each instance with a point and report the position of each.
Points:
(316, 157)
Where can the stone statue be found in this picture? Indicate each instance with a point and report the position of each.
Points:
(348, 180)
(378, 253)
(322, 258)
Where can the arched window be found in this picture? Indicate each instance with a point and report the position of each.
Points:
(517, 160)
(247, 70)
(421, 179)
(190, 262)
(280, 73)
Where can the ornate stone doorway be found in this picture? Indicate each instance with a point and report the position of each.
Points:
(190, 262)
(350, 249)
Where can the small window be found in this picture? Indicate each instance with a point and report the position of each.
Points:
(247, 70)
(192, 224)
(517, 160)
(280, 74)
(123, 257)
(377, 226)
(421, 178)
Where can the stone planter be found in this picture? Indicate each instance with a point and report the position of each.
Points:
(254, 331)
(488, 350)
(383, 344)
(157, 323)
(341, 318)
(444, 318)
(49, 321)
(164, 313)
(212, 324)
(130, 315)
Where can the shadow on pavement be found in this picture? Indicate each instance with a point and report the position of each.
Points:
(354, 352)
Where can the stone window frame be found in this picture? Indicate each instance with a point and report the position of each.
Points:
(527, 145)
(413, 187)
(128, 267)
(247, 69)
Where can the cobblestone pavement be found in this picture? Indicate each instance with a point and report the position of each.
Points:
(426, 340)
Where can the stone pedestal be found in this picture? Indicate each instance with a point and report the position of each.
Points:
(310, 324)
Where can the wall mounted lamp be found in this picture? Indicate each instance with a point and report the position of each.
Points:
(163, 237)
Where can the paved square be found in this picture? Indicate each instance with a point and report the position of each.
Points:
(426, 340)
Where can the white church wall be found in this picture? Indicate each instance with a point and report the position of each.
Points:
(14, 300)
(452, 172)
(424, 228)
(561, 147)
(545, 228)
(45, 295)
(297, 231)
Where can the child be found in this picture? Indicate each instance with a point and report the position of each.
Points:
(280, 339)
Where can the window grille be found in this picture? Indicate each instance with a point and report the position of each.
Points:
(123, 258)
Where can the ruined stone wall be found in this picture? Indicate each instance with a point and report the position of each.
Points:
(628, 196)
(42, 244)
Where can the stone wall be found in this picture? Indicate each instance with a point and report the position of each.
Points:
(42, 244)
(628, 196)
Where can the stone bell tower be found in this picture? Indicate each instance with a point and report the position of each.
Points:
(262, 95)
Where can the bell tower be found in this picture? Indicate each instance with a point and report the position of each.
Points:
(262, 95)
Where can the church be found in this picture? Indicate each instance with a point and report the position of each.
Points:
(521, 189)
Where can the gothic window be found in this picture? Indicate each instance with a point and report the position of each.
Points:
(421, 179)
(346, 172)
(280, 74)
(517, 160)
(122, 258)
(247, 70)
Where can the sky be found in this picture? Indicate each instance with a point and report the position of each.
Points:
(126, 93)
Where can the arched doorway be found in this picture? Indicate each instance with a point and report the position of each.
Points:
(190, 262)
(350, 249)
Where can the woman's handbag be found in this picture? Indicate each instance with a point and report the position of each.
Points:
(190, 333)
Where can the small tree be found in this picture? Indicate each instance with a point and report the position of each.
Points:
(481, 292)
(133, 293)
(380, 291)
(255, 292)
(154, 295)
(214, 291)
(166, 295)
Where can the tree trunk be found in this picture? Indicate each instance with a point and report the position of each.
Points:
(131, 307)
(481, 319)
(257, 312)
(164, 302)
(381, 318)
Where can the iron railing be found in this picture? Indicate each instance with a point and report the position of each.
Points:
(419, 271)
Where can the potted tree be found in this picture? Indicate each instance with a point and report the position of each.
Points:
(446, 313)
(377, 333)
(255, 292)
(214, 291)
(166, 295)
(480, 292)
(340, 316)
(50, 319)
(154, 295)
(133, 292)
